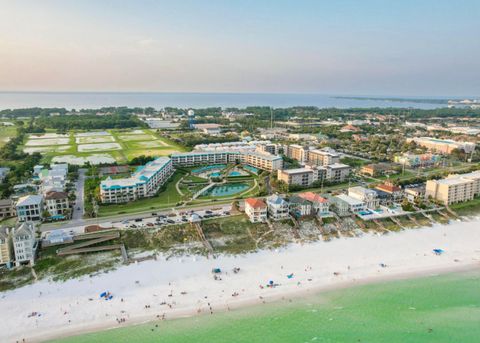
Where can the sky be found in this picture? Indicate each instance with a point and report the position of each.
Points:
(355, 47)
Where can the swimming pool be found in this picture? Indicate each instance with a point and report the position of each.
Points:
(216, 174)
(226, 189)
(234, 173)
(251, 169)
(207, 168)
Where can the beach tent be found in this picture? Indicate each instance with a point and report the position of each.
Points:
(438, 251)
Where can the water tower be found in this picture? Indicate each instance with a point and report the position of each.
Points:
(191, 118)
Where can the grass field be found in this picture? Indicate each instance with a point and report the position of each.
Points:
(120, 145)
(6, 133)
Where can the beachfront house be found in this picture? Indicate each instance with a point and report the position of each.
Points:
(299, 206)
(30, 208)
(6, 247)
(256, 210)
(24, 243)
(277, 207)
(57, 205)
(345, 205)
(320, 205)
(368, 196)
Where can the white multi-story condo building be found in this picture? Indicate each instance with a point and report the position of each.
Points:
(454, 188)
(144, 182)
(24, 243)
(337, 172)
(297, 152)
(263, 161)
(322, 158)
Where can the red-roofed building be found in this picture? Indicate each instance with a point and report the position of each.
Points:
(320, 205)
(256, 210)
(350, 128)
(388, 187)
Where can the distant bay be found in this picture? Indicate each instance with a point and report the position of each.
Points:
(79, 100)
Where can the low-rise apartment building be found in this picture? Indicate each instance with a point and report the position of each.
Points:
(264, 161)
(297, 152)
(145, 182)
(322, 158)
(455, 188)
(337, 172)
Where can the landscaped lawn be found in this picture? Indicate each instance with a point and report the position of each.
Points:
(467, 208)
(6, 132)
(168, 198)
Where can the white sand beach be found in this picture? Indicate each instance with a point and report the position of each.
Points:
(185, 286)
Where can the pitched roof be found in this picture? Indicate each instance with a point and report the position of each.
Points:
(29, 200)
(276, 199)
(296, 199)
(313, 197)
(255, 203)
(388, 187)
(55, 195)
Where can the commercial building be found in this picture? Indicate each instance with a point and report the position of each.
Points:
(144, 182)
(277, 207)
(30, 208)
(209, 129)
(256, 210)
(24, 244)
(368, 196)
(418, 160)
(454, 188)
(443, 146)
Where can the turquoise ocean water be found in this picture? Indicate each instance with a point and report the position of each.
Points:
(442, 308)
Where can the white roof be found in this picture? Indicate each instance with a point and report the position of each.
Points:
(349, 199)
(29, 200)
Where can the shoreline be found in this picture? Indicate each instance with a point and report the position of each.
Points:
(356, 260)
(246, 303)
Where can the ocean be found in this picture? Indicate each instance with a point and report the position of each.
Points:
(79, 100)
(442, 308)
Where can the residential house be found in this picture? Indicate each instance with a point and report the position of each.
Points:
(56, 203)
(7, 208)
(414, 194)
(395, 192)
(6, 247)
(277, 207)
(320, 205)
(345, 205)
(368, 196)
(256, 210)
(24, 243)
(30, 208)
(299, 206)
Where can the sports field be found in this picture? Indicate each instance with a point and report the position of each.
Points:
(108, 146)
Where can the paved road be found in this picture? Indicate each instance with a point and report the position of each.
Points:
(119, 218)
(78, 209)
